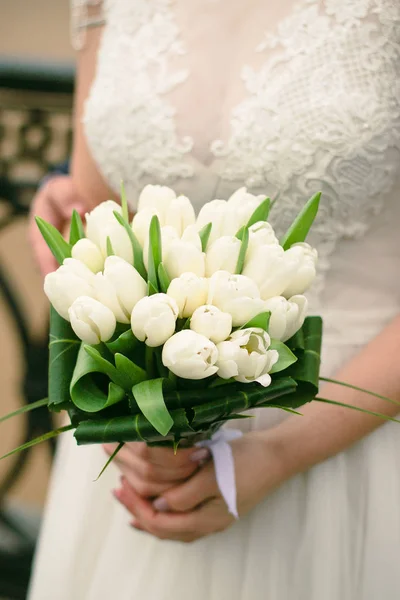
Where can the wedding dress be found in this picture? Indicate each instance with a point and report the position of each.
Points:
(286, 98)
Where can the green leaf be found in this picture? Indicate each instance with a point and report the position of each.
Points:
(38, 440)
(150, 399)
(124, 344)
(300, 227)
(63, 351)
(359, 409)
(136, 247)
(110, 249)
(306, 370)
(129, 371)
(76, 231)
(155, 254)
(286, 356)
(261, 320)
(242, 252)
(24, 409)
(124, 203)
(163, 278)
(132, 428)
(261, 213)
(358, 389)
(110, 459)
(55, 241)
(204, 234)
(240, 233)
(86, 392)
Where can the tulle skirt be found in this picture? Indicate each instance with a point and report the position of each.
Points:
(332, 533)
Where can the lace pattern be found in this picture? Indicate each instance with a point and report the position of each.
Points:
(322, 112)
(128, 97)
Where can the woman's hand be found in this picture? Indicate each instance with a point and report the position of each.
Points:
(195, 508)
(54, 202)
(153, 470)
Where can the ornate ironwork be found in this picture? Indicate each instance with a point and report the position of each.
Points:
(35, 135)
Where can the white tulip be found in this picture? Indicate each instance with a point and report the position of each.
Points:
(246, 358)
(180, 214)
(235, 294)
(242, 196)
(68, 282)
(120, 287)
(87, 252)
(287, 316)
(156, 198)
(189, 292)
(191, 236)
(153, 319)
(260, 234)
(215, 212)
(184, 257)
(92, 321)
(211, 322)
(271, 268)
(306, 257)
(223, 255)
(141, 224)
(168, 235)
(242, 204)
(102, 224)
(190, 355)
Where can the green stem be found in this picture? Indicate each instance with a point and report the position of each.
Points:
(358, 389)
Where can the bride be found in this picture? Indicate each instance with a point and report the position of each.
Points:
(286, 98)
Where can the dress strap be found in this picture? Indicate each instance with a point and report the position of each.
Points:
(84, 15)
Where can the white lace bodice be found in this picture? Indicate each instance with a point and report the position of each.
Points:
(287, 99)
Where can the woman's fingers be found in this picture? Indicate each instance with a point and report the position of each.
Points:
(191, 493)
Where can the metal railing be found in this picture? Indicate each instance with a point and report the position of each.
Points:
(35, 135)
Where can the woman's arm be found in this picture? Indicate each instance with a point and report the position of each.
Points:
(326, 430)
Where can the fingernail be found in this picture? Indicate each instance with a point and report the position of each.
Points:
(199, 455)
(160, 504)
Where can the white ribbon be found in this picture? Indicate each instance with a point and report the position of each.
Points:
(224, 464)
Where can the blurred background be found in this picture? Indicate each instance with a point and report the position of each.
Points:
(36, 84)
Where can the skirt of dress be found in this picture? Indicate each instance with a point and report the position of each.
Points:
(332, 533)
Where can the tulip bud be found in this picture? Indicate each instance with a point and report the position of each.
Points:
(287, 316)
(88, 253)
(215, 212)
(235, 294)
(180, 214)
(168, 235)
(242, 196)
(306, 258)
(189, 292)
(260, 234)
(212, 323)
(191, 236)
(156, 199)
(223, 255)
(68, 282)
(141, 225)
(184, 257)
(92, 322)
(271, 268)
(102, 224)
(153, 319)
(120, 287)
(246, 358)
(190, 355)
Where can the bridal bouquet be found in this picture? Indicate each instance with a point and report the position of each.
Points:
(164, 328)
